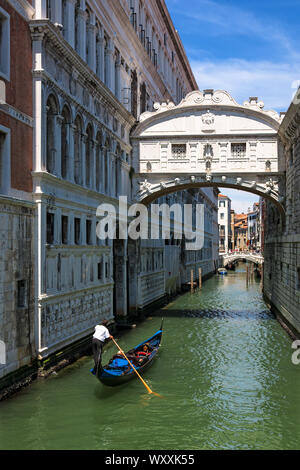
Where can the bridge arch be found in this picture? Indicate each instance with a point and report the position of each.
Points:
(208, 140)
(234, 257)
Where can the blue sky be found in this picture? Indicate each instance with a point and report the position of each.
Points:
(249, 48)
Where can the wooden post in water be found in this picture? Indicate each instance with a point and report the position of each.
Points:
(192, 281)
(247, 277)
(200, 278)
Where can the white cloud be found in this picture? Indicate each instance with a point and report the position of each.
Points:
(270, 82)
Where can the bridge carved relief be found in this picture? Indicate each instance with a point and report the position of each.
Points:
(208, 140)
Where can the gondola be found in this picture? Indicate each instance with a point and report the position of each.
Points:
(118, 370)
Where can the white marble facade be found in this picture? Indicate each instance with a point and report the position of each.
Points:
(97, 65)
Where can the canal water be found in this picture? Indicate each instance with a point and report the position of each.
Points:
(224, 370)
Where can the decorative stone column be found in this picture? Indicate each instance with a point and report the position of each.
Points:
(93, 165)
(69, 22)
(84, 137)
(70, 163)
(118, 79)
(109, 64)
(91, 38)
(100, 56)
(223, 154)
(56, 12)
(81, 33)
(57, 144)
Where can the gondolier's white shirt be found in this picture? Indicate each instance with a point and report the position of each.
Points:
(101, 333)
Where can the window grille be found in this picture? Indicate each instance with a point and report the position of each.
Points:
(178, 150)
(238, 150)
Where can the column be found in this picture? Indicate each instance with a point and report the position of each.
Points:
(81, 33)
(83, 169)
(118, 79)
(109, 65)
(91, 38)
(40, 9)
(56, 12)
(93, 164)
(69, 22)
(70, 170)
(57, 144)
(100, 56)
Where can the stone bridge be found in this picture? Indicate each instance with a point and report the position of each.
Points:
(208, 140)
(233, 257)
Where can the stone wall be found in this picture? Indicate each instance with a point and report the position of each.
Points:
(282, 237)
(16, 284)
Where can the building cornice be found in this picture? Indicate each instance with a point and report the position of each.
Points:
(177, 43)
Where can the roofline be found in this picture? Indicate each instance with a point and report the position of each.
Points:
(177, 43)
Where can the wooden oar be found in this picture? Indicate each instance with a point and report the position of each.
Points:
(147, 386)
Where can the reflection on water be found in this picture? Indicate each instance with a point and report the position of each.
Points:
(224, 369)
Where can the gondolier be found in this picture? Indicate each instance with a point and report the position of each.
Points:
(100, 336)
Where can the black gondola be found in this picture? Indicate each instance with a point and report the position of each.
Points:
(119, 371)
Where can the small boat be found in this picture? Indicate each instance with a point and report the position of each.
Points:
(222, 271)
(119, 371)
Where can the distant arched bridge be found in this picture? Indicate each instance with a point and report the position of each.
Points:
(233, 257)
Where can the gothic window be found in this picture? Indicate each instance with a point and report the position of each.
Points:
(88, 155)
(88, 45)
(134, 94)
(238, 150)
(51, 125)
(66, 120)
(178, 150)
(78, 151)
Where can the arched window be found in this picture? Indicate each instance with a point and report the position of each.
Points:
(51, 127)
(78, 151)
(65, 125)
(88, 155)
(98, 161)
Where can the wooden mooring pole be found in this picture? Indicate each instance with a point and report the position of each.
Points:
(192, 281)
(200, 278)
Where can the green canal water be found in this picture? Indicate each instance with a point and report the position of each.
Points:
(224, 370)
